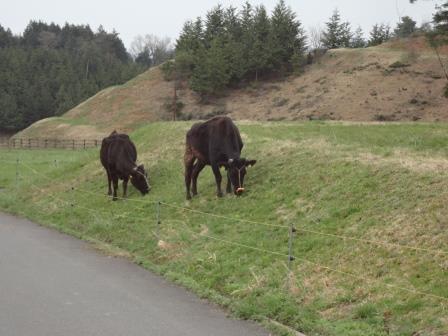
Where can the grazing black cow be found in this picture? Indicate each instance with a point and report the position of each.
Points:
(216, 142)
(118, 156)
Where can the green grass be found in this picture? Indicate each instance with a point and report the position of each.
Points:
(376, 182)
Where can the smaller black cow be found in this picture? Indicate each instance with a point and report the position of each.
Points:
(216, 142)
(118, 156)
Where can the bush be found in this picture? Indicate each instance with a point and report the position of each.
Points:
(279, 101)
(168, 69)
(398, 64)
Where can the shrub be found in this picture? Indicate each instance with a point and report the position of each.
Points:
(398, 64)
(279, 101)
(167, 69)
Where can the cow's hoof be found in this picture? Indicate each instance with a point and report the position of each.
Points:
(188, 197)
(220, 194)
(195, 193)
(114, 199)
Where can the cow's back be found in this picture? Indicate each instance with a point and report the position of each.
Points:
(215, 138)
(118, 152)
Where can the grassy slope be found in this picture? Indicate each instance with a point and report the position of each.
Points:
(356, 84)
(379, 182)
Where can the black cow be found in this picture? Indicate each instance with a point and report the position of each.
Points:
(216, 142)
(118, 156)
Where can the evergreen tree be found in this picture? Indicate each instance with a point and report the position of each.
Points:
(261, 53)
(406, 27)
(379, 34)
(358, 40)
(50, 69)
(247, 37)
(213, 75)
(338, 34)
(6, 38)
(214, 24)
(441, 19)
(236, 46)
(232, 24)
(286, 37)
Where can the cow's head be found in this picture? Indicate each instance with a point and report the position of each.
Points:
(139, 179)
(236, 170)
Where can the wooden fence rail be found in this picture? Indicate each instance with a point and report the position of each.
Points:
(40, 143)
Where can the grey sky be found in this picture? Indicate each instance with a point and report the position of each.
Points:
(166, 17)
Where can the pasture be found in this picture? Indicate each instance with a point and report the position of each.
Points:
(368, 202)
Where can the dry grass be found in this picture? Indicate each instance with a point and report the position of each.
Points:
(349, 85)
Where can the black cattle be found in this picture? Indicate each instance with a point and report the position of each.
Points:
(216, 142)
(118, 156)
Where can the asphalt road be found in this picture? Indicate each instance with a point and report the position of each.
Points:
(53, 284)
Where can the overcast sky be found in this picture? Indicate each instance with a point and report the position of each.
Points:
(166, 17)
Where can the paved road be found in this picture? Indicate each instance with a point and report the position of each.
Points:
(52, 284)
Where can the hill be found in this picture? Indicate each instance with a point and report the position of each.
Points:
(398, 81)
(368, 202)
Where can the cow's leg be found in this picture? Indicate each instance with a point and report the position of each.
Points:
(188, 162)
(196, 170)
(115, 185)
(109, 182)
(229, 184)
(125, 187)
(218, 179)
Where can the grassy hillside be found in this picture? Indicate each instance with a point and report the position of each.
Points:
(398, 81)
(382, 183)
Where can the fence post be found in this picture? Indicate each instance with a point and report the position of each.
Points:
(17, 174)
(158, 221)
(291, 258)
(72, 199)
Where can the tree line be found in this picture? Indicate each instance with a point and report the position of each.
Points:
(49, 69)
(230, 47)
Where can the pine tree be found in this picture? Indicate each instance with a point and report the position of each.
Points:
(261, 53)
(338, 34)
(214, 24)
(247, 37)
(441, 19)
(358, 40)
(213, 74)
(379, 34)
(286, 37)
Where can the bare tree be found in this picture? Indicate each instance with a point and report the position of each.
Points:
(315, 37)
(156, 49)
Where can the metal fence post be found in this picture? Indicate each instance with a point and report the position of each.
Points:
(158, 221)
(291, 258)
(72, 198)
(17, 173)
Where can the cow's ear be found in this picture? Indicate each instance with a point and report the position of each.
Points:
(250, 162)
(142, 167)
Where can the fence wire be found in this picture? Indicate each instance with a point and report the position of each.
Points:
(241, 245)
